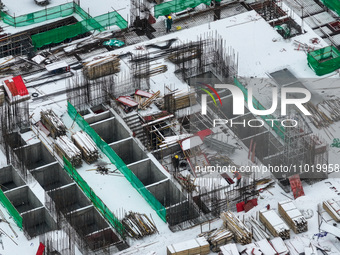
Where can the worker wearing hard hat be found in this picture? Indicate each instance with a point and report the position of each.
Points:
(168, 23)
(175, 163)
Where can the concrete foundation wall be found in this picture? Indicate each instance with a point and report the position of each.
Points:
(38, 221)
(51, 176)
(86, 221)
(15, 140)
(227, 107)
(166, 193)
(244, 132)
(147, 172)
(128, 150)
(110, 130)
(34, 155)
(69, 198)
(169, 150)
(23, 199)
(10, 179)
(92, 118)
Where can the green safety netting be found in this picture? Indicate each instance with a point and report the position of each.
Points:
(177, 6)
(60, 34)
(43, 15)
(336, 143)
(97, 202)
(118, 162)
(325, 60)
(333, 5)
(11, 209)
(278, 129)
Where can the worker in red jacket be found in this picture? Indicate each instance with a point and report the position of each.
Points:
(238, 176)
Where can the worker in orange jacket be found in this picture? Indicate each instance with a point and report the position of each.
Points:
(238, 177)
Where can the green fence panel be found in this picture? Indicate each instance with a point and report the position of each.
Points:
(177, 6)
(324, 61)
(59, 11)
(333, 5)
(60, 34)
(278, 129)
(97, 202)
(11, 209)
(118, 162)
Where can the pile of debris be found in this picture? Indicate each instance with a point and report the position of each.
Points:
(293, 216)
(217, 238)
(274, 224)
(242, 234)
(86, 145)
(138, 225)
(256, 228)
(53, 123)
(66, 148)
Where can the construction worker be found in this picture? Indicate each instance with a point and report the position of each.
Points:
(175, 162)
(168, 23)
(238, 176)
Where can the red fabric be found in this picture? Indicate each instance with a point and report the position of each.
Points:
(248, 206)
(253, 201)
(203, 133)
(296, 185)
(20, 86)
(240, 206)
(151, 19)
(41, 249)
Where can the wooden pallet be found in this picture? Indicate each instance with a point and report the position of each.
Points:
(332, 207)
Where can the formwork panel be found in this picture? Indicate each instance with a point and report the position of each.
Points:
(87, 221)
(101, 239)
(69, 198)
(23, 199)
(51, 177)
(166, 193)
(128, 150)
(147, 172)
(38, 222)
(9, 178)
(34, 155)
(110, 130)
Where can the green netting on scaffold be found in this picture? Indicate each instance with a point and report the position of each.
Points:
(118, 162)
(43, 15)
(274, 124)
(333, 5)
(324, 61)
(177, 6)
(97, 202)
(11, 209)
(60, 34)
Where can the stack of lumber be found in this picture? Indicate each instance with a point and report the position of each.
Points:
(218, 237)
(101, 66)
(2, 96)
(242, 234)
(198, 246)
(293, 216)
(274, 224)
(53, 123)
(319, 118)
(256, 228)
(86, 145)
(184, 99)
(138, 225)
(333, 208)
(66, 148)
(147, 72)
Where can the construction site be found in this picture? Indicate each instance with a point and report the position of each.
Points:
(169, 127)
